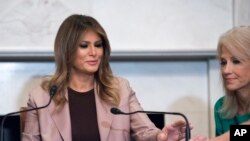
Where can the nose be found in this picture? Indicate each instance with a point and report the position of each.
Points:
(92, 50)
(227, 68)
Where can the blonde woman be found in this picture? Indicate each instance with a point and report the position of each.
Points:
(234, 107)
(234, 55)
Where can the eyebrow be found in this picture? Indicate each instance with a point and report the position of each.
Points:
(89, 41)
(99, 42)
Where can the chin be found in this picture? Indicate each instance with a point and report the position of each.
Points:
(232, 88)
(92, 71)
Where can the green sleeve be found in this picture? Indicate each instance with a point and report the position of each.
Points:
(217, 117)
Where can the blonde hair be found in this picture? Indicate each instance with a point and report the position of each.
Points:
(65, 47)
(237, 42)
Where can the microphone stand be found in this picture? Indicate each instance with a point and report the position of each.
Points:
(53, 90)
(187, 130)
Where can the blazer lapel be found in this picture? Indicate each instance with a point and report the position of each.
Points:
(62, 122)
(104, 117)
(61, 119)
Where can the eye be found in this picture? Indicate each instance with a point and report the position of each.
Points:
(99, 44)
(236, 61)
(223, 62)
(83, 45)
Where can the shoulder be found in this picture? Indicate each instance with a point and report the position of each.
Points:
(219, 103)
(38, 90)
(122, 81)
(124, 87)
(38, 94)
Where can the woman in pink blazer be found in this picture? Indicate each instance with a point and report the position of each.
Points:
(86, 91)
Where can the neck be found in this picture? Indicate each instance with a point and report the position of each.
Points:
(81, 83)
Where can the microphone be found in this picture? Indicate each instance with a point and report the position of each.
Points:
(52, 92)
(117, 111)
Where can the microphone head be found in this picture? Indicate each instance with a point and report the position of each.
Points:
(116, 111)
(53, 90)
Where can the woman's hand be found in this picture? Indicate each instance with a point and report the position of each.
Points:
(173, 132)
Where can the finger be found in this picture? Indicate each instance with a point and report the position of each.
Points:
(179, 123)
(162, 136)
(183, 129)
(190, 125)
(181, 136)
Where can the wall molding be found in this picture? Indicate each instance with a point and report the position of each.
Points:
(116, 56)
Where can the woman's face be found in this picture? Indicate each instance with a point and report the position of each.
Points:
(235, 71)
(89, 53)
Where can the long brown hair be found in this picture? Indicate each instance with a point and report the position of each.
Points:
(65, 46)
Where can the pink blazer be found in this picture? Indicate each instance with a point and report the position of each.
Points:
(50, 125)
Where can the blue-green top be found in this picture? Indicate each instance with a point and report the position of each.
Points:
(223, 125)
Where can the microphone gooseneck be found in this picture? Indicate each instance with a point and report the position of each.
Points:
(117, 111)
(52, 92)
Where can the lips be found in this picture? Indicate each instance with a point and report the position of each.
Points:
(92, 62)
(229, 80)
